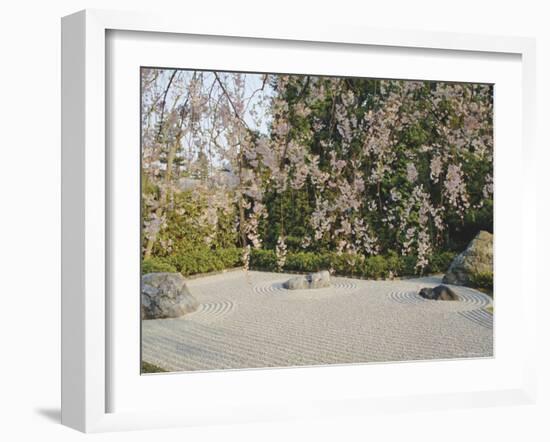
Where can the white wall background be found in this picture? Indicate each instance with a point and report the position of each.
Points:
(30, 215)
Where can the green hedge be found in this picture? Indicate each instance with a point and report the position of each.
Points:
(374, 267)
(206, 260)
(305, 261)
(263, 259)
(440, 262)
(157, 265)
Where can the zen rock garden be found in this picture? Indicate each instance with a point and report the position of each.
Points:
(258, 319)
(266, 319)
(166, 295)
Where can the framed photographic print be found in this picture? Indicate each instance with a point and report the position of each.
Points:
(291, 223)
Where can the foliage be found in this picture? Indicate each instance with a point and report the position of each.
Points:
(370, 177)
(196, 220)
(380, 165)
(440, 262)
(262, 259)
(483, 280)
(303, 262)
(372, 267)
(206, 260)
(156, 265)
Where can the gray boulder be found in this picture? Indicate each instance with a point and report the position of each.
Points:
(296, 283)
(319, 280)
(476, 259)
(312, 281)
(165, 295)
(439, 293)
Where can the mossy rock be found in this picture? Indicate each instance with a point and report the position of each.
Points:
(165, 295)
(476, 260)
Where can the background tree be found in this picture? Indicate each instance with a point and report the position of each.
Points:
(352, 166)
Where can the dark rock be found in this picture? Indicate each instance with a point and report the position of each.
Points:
(475, 260)
(165, 295)
(439, 293)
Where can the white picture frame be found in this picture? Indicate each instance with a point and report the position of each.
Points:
(86, 315)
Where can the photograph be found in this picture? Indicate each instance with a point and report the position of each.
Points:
(294, 220)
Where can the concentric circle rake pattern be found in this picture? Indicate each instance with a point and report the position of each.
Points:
(406, 297)
(214, 309)
(475, 300)
(278, 288)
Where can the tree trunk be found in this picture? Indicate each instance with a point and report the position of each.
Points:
(241, 201)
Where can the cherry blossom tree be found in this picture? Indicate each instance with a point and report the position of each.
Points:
(355, 166)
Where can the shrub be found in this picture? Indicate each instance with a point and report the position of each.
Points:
(483, 280)
(408, 265)
(346, 264)
(440, 262)
(307, 262)
(263, 259)
(196, 261)
(372, 267)
(230, 257)
(376, 267)
(394, 263)
(185, 228)
(206, 260)
(157, 265)
(293, 242)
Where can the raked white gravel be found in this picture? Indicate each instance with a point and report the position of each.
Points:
(248, 320)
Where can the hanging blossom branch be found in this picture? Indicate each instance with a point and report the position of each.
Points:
(379, 165)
